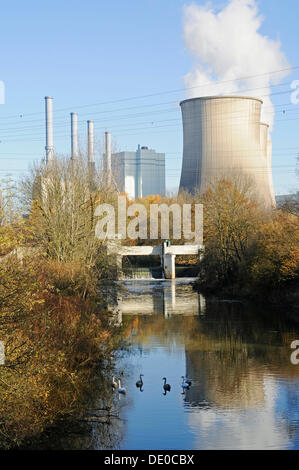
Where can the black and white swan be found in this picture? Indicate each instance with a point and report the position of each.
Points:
(114, 383)
(121, 389)
(186, 382)
(139, 382)
(166, 386)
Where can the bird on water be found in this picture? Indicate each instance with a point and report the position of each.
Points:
(184, 385)
(139, 382)
(166, 386)
(121, 389)
(186, 381)
(114, 383)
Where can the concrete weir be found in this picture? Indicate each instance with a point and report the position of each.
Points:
(166, 252)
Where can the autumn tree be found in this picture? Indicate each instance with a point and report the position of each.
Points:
(230, 222)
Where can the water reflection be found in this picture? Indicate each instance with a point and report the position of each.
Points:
(174, 297)
(244, 391)
(95, 425)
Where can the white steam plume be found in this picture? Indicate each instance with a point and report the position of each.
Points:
(227, 45)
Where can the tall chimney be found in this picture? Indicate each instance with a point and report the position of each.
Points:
(74, 136)
(108, 156)
(90, 142)
(49, 128)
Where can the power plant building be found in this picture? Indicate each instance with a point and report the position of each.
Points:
(139, 173)
(225, 138)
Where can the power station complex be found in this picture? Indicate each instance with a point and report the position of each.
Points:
(139, 173)
(225, 138)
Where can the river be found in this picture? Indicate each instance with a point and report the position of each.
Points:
(244, 392)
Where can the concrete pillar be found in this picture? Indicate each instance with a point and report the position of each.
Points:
(168, 262)
(169, 266)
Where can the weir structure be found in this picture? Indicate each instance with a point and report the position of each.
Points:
(225, 138)
(166, 252)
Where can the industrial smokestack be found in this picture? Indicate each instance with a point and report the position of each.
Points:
(108, 156)
(49, 128)
(74, 136)
(90, 143)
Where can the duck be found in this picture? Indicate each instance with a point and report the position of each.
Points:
(121, 389)
(166, 386)
(139, 382)
(114, 383)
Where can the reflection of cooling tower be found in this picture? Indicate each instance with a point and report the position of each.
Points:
(223, 137)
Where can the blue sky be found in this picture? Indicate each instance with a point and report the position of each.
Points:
(95, 52)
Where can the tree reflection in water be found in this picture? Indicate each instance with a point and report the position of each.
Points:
(238, 357)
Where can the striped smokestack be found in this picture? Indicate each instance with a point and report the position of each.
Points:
(74, 136)
(108, 156)
(90, 142)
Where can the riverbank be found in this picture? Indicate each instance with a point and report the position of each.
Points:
(286, 295)
(58, 343)
(57, 338)
(249, 253)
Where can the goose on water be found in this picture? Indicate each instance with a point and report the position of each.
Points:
(139, 382)
(166, 386)
(121, 389)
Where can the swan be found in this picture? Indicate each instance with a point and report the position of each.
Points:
(139, 382)
(186, 381)
(166, 386)
(121, 389)
(114, 383)
(185, 386)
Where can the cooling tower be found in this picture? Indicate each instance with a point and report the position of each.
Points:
(224, 137)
